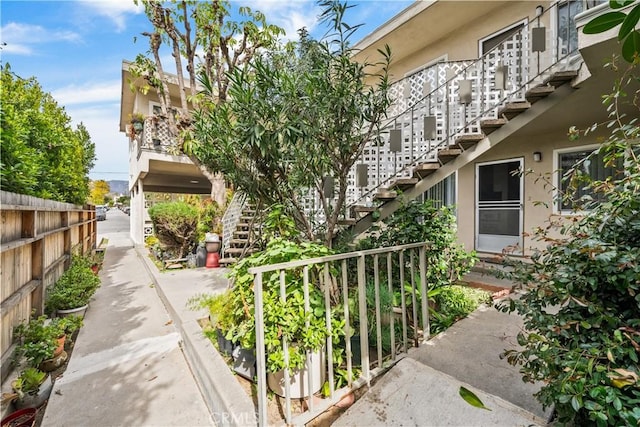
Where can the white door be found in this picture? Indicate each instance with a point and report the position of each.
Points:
(499, 206)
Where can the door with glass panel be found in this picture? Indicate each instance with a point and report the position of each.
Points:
(499, 206)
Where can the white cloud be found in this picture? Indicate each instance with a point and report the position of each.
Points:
(88, 93)
(114, 10)
(112, 148)
(290, 15)
(20, 38)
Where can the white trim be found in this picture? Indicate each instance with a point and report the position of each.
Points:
(523, 22)
(476, 208)
(556, 178)
(442, 58)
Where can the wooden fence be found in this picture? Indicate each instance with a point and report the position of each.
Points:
(37, 239)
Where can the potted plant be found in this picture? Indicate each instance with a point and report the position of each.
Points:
(283, 320)
(32, 388)
(41, 340)
(73, 290)
(137, 121)
(218, 308)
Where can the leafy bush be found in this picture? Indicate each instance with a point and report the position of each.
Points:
(74, 288)
(418, 221)
(37, 339)
(175, 225)
(41, 154)
(281, 319)
(455, 302)
(581, 305)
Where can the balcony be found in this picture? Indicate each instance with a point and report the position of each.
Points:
(155, 158)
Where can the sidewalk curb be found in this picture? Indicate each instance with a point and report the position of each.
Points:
(228, 403)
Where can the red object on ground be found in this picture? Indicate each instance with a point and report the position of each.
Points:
(213, 260)
(21, 418)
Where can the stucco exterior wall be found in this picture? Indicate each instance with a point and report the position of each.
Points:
(537, 187)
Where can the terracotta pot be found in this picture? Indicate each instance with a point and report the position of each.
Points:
(60, 348)
(54, 363)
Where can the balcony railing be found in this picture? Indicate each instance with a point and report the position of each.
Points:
(350, 280)
(155, 136)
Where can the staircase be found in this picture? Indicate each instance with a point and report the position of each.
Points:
(447, 115)
(241, 230)
(464, 149)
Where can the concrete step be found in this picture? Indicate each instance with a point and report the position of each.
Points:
(447, 154)
(425, 169)
(470, 351)
(469, 140)
(539, 92)
(385, 195)
(561, 77)
(512, 109)
(404, 183)
(490, 125)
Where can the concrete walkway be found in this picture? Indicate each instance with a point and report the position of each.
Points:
(127, 367)
(423, 389)
(141, 360)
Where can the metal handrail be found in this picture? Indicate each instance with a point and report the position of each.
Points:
(406, 266)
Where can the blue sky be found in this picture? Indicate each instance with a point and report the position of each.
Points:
(75, 50)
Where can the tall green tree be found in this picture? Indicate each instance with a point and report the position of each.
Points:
(203, 39)
(298, 115)
(41, 154)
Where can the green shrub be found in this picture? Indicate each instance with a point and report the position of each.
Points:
(175, 225)
(37, 339)
(281, 319)
(74, 288)
(581, 305)
(453, 303)
(418, 221)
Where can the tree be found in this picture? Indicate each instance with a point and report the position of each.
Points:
(203, 40)
(99, 191)
(294, 118)
(41, 155)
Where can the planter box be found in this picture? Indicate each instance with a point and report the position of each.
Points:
(224, 345)
(244, 362)
(299, 379)
(80, 311)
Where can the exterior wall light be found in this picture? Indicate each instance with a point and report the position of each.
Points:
(539, 10)
(537, 156)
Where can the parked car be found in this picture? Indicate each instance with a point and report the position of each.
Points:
(126, 210)
(101, 213)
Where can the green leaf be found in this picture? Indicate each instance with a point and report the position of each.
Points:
(631, 46)
(576, 403)
(604, 22)
(619, 4)
(471, 398)
(629, 23)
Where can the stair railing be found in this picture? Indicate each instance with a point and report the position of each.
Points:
(476, 91)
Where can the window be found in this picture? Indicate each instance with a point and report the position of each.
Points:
(443, 193)
(495, 39)
(567, 32)
(592, 167)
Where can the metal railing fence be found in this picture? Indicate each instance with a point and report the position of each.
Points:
(380, 294)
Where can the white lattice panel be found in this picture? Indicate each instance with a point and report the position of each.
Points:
(434, 91)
